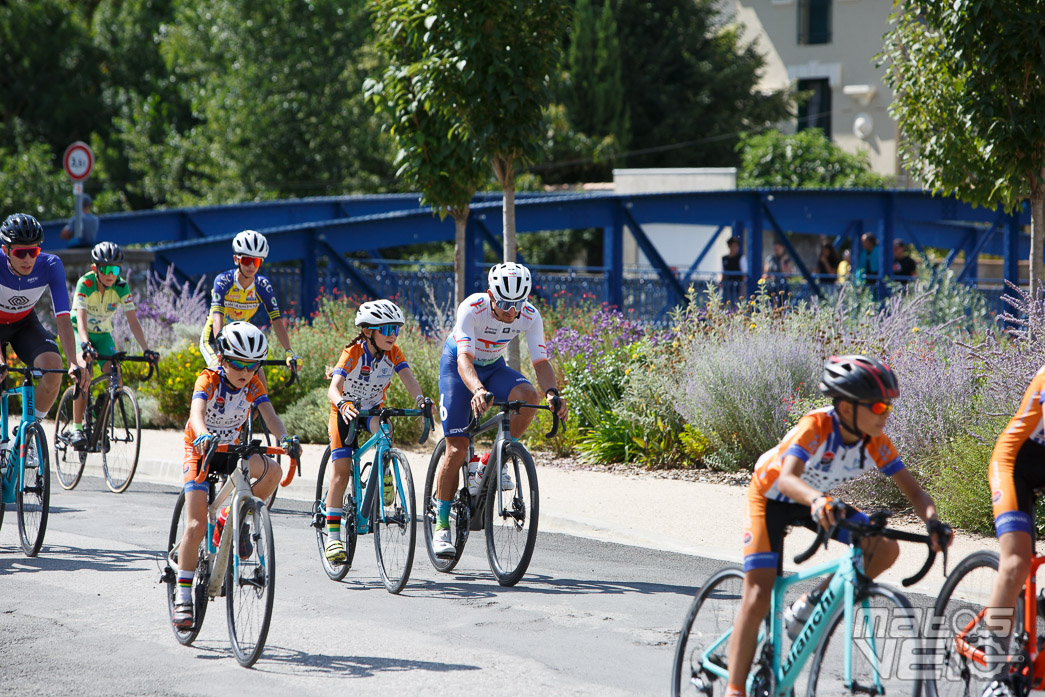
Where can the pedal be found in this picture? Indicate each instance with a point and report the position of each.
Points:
(168, 575)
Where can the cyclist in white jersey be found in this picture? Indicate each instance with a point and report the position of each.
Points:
(473, 364)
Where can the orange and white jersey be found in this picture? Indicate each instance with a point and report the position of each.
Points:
(227, 409)
(1028, 424)
(816, 440)
(367, 380)
(485, 338)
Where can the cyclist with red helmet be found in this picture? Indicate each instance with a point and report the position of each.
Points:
(791, 484)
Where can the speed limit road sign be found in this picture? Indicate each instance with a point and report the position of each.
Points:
(78, 161)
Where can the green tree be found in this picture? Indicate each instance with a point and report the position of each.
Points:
(596, 98)
(969, 84)
(691, 83)
(30, 180)
(804, 160)
(436, 156)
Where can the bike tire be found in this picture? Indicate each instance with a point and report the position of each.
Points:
(885, 628)
(250, 584)
(459, 514)
(68, 463)
(336, 571)
(199, 582)
(395, 525)
(965, 592)
(511, 527)
(34, 496)
(121, 440)
(711, 614)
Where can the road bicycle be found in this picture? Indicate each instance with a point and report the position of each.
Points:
(262, 429)
(24, 468)
(509, 517)
(856, 634)
(111, 424)
(964, 654)
(242, 567)
(369, 503)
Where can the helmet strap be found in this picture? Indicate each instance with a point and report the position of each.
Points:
(375, 350)
(7, 253)
(864, 438)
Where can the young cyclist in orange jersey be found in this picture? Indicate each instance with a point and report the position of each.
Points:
(359, 381)
(789, 486)
(1016, 470)
(221, 402)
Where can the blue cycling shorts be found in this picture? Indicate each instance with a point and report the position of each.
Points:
(455, 397)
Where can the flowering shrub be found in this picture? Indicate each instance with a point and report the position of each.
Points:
(170, 313)
(172, 387)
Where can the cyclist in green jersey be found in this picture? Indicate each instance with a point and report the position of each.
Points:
(100, 294)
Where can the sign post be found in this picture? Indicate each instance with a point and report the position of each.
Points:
(78, 162)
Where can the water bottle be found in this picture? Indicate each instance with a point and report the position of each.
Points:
(476, 472)
(795, 616)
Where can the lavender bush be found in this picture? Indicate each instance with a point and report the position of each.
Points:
(170, 313)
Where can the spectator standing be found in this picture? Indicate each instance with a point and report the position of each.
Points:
(734, 262)
(867, 262)
(827, 264)
(844, 267)
(904, 265)
(89, 229)
(778, 262)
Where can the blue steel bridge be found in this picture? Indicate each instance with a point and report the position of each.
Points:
(310, 238)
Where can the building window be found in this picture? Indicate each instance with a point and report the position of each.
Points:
(814, 22)
(816, 111)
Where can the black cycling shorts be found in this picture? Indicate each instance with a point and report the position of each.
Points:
(28, 338)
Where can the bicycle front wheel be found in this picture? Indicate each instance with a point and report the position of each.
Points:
(250, 582)
(703, 645)
(68, 463)
(394, 523)
(511, 515)
(121, 440)
(960, 629)
(35, 494)
(199, 581)
(873, 657)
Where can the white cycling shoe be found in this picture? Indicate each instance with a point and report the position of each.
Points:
(441, 545)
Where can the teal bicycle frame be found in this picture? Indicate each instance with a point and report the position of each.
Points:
(14, 459)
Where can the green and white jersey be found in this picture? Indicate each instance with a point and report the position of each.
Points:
(101, 303)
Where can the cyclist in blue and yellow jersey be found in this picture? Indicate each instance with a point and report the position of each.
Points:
(25, 273)
(472, 364)
(790, 486)
(100, 294)
(221, 402)
(239, 292)
(359, 381)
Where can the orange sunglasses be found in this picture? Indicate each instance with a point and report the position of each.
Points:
(878, 408)
(249, 261)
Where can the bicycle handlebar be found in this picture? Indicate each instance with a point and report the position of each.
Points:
(385, 413)
(122, 357)
(515, 406)
(876, 527)
(293, 369)
(243, 451)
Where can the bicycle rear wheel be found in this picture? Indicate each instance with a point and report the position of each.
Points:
(459, 513)
(199, 582)
(511, 516)
(963, 597)
(395, 524)
(121, 440)
(250, 583)
(704, 638)
(886, 633)
(35, 495)
(68, 463)
(335, 570)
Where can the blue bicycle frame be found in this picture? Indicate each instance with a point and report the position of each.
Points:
(16, 455)
(380, 443)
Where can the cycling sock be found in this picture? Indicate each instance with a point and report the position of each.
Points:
(76, 427)
(735, 691)
(442, 518)
(334, 523)
(185, 585)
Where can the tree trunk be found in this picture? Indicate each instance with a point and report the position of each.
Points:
(505, 169)
(460, 217)
(1037, 236)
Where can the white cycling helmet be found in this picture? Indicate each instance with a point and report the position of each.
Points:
(242, 341)
(510, 282)
(378, 312)
(250, 243)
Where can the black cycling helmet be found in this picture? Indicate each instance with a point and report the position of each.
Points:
(21, 228)
(858, 378)
(107, 253)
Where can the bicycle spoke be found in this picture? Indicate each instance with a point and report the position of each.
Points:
(701, 651)
(34, 497)
(250, 581)
(395, 525)
(68, 463)
(511, 517)
(121, 441)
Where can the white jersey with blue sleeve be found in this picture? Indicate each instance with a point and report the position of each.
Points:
(485, 338)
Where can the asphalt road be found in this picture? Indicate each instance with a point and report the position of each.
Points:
(88, 616)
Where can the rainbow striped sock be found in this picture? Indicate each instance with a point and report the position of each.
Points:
(185, 585)
(334, 523)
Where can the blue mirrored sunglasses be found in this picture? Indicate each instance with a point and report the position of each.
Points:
(506, 306)
(240, 365)
(388, 329)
